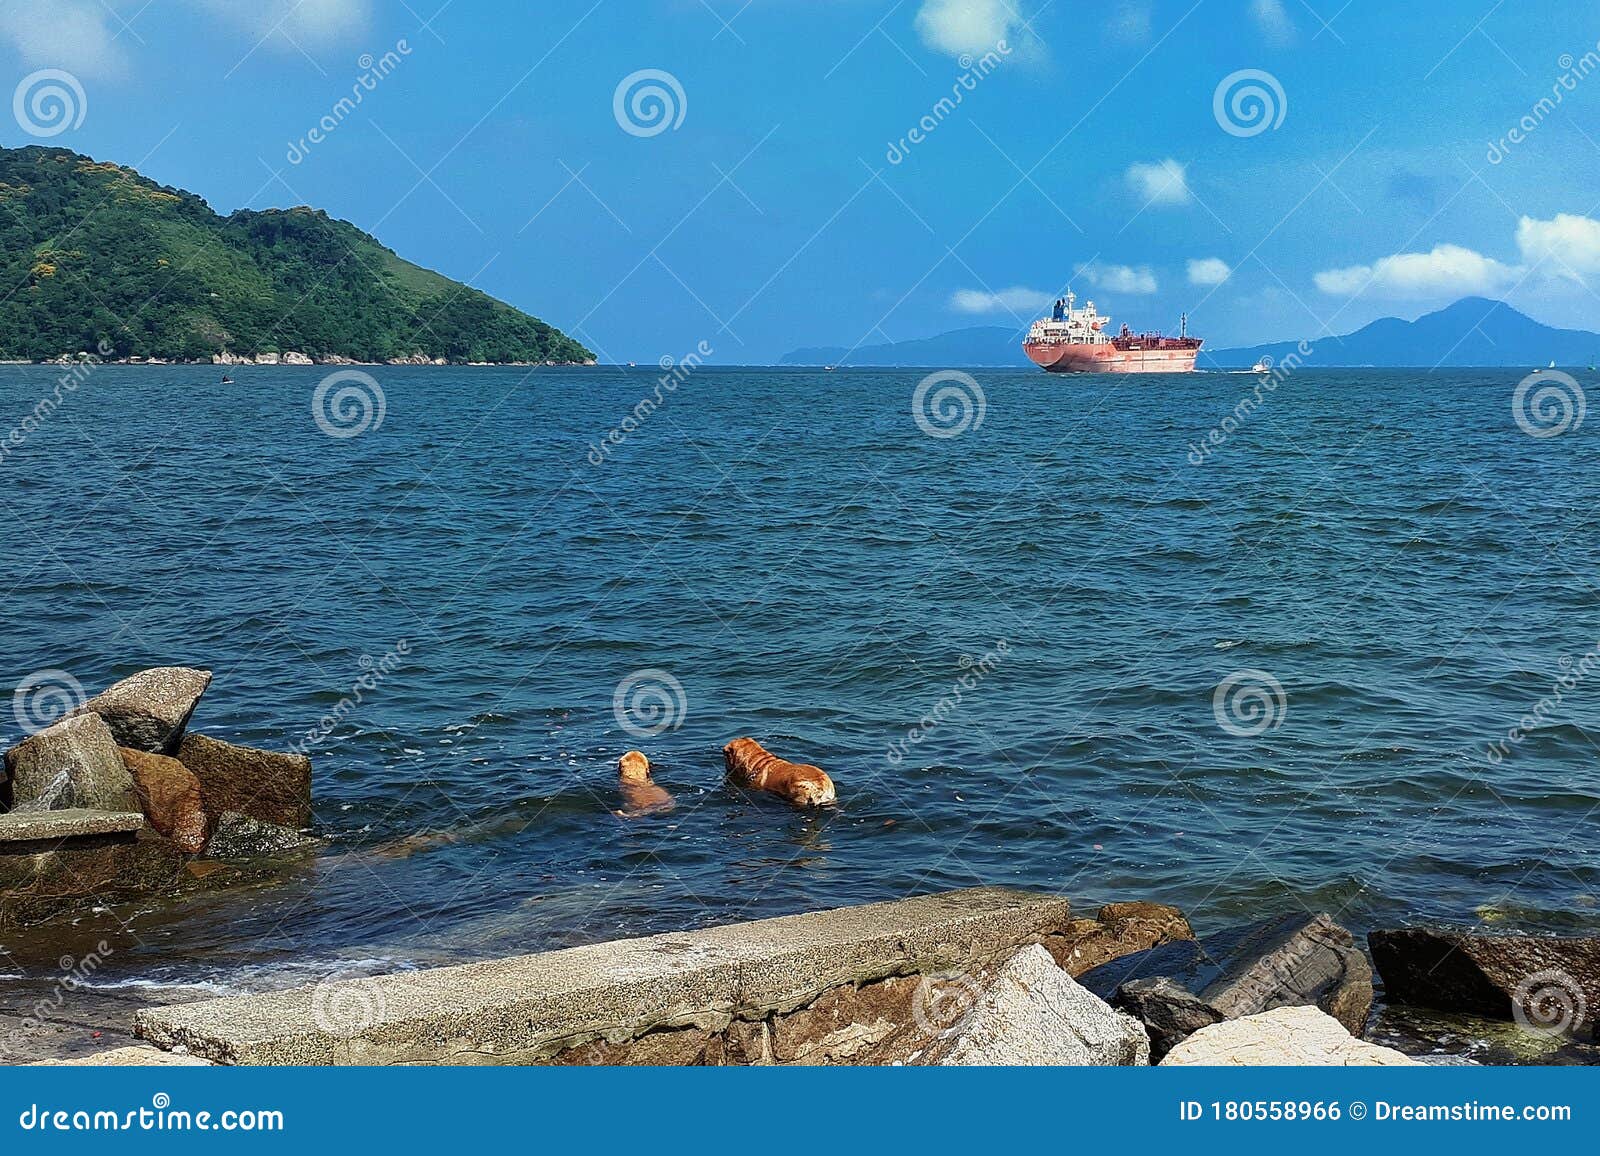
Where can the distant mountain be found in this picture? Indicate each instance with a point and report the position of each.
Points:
(985, 345)
(92, 251)
(1473, 331)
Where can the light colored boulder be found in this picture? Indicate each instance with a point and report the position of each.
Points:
(129, 1057)
(1294, 1037)
(148, 711)
(72, 764)
(1034, 1014)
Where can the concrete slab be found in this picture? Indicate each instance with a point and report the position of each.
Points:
(530, 1007)
(38, 826)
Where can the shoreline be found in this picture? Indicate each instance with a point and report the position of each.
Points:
(869, 984)
(297, 361)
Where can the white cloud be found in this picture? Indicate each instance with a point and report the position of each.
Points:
(1013, 300)
(1447, 271)
(1273, 20)
(73, 35)
(308, 23)
(1566, 245)
(1119, 278)
(84, 38)
(1131, 22)
(1209, 271)
(967, 26)
(1162, 183)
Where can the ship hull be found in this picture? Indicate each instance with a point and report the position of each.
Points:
(1060, 358)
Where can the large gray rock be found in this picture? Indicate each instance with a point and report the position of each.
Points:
(272, 787)
(1294, 1037)
(148, 711)
(1549, 983)
(1297, 960)
(1034, 1014)
(74, 763)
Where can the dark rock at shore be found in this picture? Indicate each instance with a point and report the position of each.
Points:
(1546, 982)
(274, 788)
(1454, 1038)
(240, 836)
(1296, 960)
(1118, 930)
(148, 711)
(74, 763)
(170, 796)
(42, 880)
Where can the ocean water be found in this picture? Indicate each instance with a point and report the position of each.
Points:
(1005, 645)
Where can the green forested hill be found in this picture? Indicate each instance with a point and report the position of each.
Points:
(91, 252)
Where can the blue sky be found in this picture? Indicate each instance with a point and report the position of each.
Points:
(786, 203)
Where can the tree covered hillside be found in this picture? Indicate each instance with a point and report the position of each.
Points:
(91, 251)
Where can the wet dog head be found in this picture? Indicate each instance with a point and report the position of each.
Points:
(633, 767)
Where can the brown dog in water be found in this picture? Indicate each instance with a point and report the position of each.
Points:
(752, 766)
(640, 794)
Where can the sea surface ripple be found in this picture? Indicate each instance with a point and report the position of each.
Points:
(1412, 569)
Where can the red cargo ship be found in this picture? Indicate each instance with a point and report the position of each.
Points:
(1074, 340)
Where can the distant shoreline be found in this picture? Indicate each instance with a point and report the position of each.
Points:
(299, 361)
